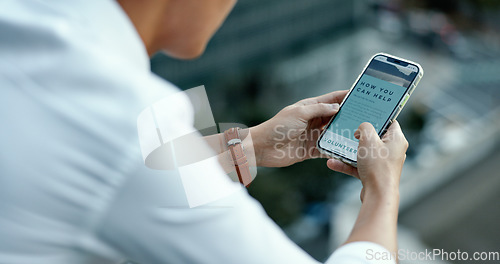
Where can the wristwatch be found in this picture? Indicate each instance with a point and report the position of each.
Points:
(239, 158)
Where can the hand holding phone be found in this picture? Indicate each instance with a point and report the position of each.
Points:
(379, 156)
(377, 97)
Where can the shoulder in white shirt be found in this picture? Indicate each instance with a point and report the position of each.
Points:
(73, 185)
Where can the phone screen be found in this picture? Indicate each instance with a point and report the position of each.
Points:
(374, 99)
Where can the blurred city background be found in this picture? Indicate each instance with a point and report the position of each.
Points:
(272, 53)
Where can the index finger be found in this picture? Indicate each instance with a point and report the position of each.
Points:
(342, 167)
(329, 98)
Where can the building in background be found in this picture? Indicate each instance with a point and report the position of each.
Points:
(257, 33)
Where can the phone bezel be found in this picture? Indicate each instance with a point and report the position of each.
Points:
(393, 114)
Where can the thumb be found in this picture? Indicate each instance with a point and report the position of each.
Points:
(366, 134)
(311, 111)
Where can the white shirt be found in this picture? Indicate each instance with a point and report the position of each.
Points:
(74, 76)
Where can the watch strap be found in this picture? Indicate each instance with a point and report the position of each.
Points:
(234, 144)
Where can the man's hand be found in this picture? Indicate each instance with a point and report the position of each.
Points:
(380, 161)
(291, 135)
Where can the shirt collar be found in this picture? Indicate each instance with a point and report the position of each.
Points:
(115, 32)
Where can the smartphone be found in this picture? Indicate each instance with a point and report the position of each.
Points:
(377, 96)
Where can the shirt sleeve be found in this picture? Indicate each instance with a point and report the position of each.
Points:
(362, 253)
(150, 222)
(153, 220)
